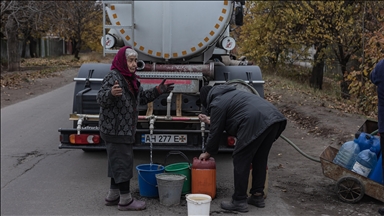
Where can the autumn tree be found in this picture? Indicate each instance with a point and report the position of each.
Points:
(76, 20)
(332, 24)
(21, 19)
(281, 30)
(37, 25)
(263, 36)
(361, 87)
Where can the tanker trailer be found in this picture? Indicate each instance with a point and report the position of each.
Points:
(186, 42)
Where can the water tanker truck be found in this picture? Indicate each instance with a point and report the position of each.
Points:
(186, 42)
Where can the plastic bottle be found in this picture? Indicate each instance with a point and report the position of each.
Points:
(366, 160)
(377, 173)
(347, 155)
(204, 176)
(364, 140)
(376, 146)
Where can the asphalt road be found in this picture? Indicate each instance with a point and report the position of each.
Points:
(37, 178)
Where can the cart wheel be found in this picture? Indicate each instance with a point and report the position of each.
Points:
(350, 189)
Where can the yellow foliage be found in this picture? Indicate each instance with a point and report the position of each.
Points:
(367, 100)
(277, 32)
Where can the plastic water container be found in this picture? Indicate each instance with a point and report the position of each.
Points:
(347, 155)
(364, 140)
(366, 160)
(377, 173)
(204, 177)
(376, 145)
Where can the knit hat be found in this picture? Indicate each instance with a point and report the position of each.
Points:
(203, 95)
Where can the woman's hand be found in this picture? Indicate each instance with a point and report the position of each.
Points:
(204, 119)
(165, 88)
(116, 90)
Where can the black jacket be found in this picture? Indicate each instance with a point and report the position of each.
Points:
(239, 113)
(377, 78)
(119, 115)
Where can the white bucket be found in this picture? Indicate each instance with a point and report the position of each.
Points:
(198, 204)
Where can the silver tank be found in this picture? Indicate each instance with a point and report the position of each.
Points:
(170, 29)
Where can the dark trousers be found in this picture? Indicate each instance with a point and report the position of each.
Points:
(256, 153)
(382, 151)
(124, 187)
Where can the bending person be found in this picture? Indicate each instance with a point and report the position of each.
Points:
(256, 123)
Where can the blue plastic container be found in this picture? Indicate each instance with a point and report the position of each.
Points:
(147, 179)
(347, 154)
(365, 162)
(364, 140)
(376, 146)
(377, 173)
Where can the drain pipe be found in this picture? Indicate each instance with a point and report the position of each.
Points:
(202, 125)
(169, 100)
(79, 123)
(151, 128)
(152, 124)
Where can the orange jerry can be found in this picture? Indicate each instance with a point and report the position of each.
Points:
(204, 176)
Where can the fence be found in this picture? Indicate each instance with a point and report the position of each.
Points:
(45, 47)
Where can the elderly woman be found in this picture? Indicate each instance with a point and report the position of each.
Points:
(119, 98)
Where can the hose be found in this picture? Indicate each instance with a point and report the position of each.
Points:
(299, 150)
(306, 155)
(375, 132)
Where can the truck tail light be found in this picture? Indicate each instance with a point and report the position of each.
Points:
(84, 139)
(231, 141)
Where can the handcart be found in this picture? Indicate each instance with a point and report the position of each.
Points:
(350, 186)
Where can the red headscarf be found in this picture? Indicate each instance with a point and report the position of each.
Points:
(120, 63)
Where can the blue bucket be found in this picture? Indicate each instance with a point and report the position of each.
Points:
(147, 179)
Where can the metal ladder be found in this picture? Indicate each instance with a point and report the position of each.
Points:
(112, 26)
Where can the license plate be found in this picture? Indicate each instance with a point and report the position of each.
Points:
(164, 138)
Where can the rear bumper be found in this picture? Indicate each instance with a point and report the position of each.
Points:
(194, 141)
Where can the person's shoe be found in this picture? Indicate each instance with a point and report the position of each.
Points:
(257, 201)
(134, 205)
(112, 202)
(381, 211)
(233, 205)
(113, 197)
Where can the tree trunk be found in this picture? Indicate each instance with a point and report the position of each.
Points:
(344, 84)
(23, 48)
(316, 80)
(12, 45)
(32, 47)
(77, 49)
(74, 44)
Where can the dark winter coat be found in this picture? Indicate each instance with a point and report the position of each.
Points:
(119, 115)
(377, 78)
(239, 113)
